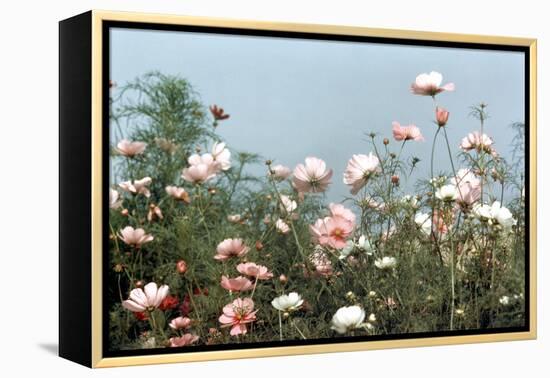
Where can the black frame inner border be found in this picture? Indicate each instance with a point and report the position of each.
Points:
(106, 27)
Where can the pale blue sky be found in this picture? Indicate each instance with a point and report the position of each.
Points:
(291, 98)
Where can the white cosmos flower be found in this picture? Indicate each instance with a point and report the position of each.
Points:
(447, 193)
(222, 156)
(364, 244)
(288, 204)
(148, 298)
(347, 318)
(289, 302)
(281, 226)
(482, 211)
(347, 250)
(424, 222)
(502, 215)
(409, 200)
(386, 262)
(495, 214)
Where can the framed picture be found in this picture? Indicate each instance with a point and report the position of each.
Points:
(235, 189)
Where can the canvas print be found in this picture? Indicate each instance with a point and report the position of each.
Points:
(267, 190)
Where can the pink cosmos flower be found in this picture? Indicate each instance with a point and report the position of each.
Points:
(430, 84)
(469, 187)
(258, 272)
(280, 172)
(441, 116)
(237, 315)
(222, 156)
(201, 168)
(359, 170)
(178, 193)
(331, 231)
(231, 248)
(312, 177)
(146, 299)
(477, 141)
(136, 237)
(236, 284)
(180, 323)
(154, 213)
(130, 149)
(410, 132)
(186, 339)
(137, 187)
(338, 210)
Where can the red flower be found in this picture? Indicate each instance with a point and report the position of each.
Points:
(141, 315)
(169, 303)
(218, 113)
(185, 307)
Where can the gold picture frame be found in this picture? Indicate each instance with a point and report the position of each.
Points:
(94, 21)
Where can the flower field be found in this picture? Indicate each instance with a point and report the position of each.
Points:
(201, 252)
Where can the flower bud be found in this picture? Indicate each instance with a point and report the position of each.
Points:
(386, 141)
(441, 116)
(259, 245)
(395, 180)
(124, 212)
(139, 284)
(283, 279)
(181, 267)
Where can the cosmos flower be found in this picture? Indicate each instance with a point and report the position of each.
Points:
(114, 199)
(146, 299)
(281, 226)
(477, 141)
(331, 231)
(231, 248)
(287, 204)
(321, 262)
(447, 193)
(255, 271)
(313, 176)
(201, 168)
(137, 187)
(347, 318)
(386, 262)
(430, 84)
(237, 315)
(236, 284)
(280, 172)
(222, 156)
(135, 237)
(338, 210)
(359, 170)
(469, 188)
(288, 302)
(495, 214)
(423, 221)
(441, 116)
(218, 113)
(154, 213)
(185, 340)
(130, 149)
(178, 193)
(410, 132)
